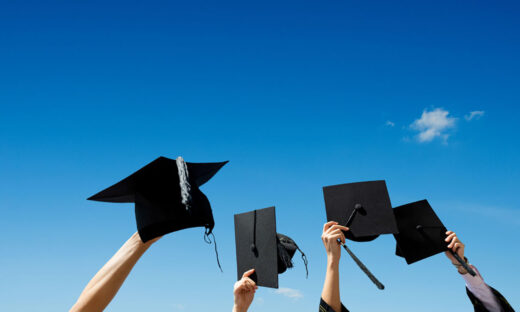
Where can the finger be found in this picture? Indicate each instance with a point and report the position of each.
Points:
(338, 231)
(248, 273)
(450, 237)
(334, 232)
(239, 286)
(341, 227)
(449, 232)
(252, 287)
(327, 225)
(331, 228)
(340, 236)
(453, 242)
(248, 287)
(337, 226)
(243, 284)
(249, 280)
(457, 247)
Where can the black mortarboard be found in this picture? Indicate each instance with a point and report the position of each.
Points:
(421, 232)
(259, 247)
(166, 195)
(364, 207)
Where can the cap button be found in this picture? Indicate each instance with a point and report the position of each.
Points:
(254, 250)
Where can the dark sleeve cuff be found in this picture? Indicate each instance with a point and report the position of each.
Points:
(479, 306)
(324, 307)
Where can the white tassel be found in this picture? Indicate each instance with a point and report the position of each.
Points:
(182, 169)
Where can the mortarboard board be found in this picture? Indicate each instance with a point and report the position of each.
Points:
(166, 195)
(365, 208)
(421, 233)
(259, 247)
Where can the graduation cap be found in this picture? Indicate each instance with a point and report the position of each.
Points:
(260, 247)
(365, 208)
(421, 233)
(167, 196)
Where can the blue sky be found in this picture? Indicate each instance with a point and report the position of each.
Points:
(297, 95)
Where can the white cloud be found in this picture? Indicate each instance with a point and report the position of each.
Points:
(178, 307)
(289, 292)
(474, 115)
(389, 123)
(433, 124)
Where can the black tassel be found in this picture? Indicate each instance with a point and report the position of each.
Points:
(304, 258)
(207, 239)
(284, 256)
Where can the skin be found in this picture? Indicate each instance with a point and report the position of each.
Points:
(244, 292)
(332, 231)
(454, 244)
(106, 283)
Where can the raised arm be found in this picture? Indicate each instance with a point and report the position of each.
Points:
(481, 295)
(330, 297)
(244, 292)
(106, 283)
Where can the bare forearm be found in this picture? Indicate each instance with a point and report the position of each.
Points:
(330, 293)
(106, 283)
(237, 309)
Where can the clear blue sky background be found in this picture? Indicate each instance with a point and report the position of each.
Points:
(297, 95)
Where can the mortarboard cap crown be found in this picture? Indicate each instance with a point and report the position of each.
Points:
(166, 195)
(364, 207)
(260, 247)
(421, 232)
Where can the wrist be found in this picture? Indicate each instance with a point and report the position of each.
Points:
(460, 268)
(137, 243)
(332, 262)
(237, 308)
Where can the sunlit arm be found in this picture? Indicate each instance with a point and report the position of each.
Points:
(332, 232)
(330, 293)
(106, 283)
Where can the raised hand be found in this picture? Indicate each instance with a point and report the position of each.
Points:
(244, 292)
(455, 245)
(332, 231)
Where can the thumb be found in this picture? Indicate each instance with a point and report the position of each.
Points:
(248, 273)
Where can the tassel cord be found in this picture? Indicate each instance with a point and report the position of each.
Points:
(207, 239)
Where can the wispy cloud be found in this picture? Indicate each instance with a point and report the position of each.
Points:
(289, 292)
(474, 115)
(178, 307)
(389, 123)
(433, 124)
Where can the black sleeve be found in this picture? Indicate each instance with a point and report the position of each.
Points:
(479, 307)
(324, 307)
